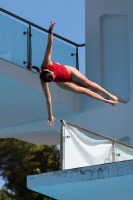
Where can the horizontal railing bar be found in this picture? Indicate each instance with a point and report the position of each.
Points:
(98, 134)
(41, 28)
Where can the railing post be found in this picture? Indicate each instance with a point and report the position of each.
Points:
(77, 59)
(62, 145)
(113, 151)
(29, 47)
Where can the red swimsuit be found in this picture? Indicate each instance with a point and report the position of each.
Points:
(60, 72)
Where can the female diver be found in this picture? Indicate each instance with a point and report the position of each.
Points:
(68, 78)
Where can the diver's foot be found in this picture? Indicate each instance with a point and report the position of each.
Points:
(113, 103)
(114, 98)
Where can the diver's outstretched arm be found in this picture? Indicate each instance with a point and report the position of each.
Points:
(47, 94)
(48, 52)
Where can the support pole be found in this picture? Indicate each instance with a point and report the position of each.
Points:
(62, 145)
(29, 47)
(113, 152)
(77, 59)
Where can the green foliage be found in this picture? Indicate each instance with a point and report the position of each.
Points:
(19, 159)
(6, 195)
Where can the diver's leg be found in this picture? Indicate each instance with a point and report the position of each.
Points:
(77, 77)
(74, 87)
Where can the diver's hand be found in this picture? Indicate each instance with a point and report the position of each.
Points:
(51, 120)
(52, 24)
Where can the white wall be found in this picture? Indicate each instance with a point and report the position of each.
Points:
(109, 62)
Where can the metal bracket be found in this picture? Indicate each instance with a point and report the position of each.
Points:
(28, 67)
(68, 136)
(73, 54)
(63, 122)
(27, 33)
(77, 60)
(113, 153)
(24, 62)
(117, 154)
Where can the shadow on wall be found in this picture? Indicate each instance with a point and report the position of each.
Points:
(126, 140)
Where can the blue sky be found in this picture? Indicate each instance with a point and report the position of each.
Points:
(69, 15)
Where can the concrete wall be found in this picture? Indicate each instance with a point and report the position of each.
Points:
(109, 62)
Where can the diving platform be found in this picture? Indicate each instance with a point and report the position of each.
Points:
(107, 181)
(92, 168)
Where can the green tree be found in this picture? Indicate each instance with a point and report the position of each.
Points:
(6, 195)
(19, 159)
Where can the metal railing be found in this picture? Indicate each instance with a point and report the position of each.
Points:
(118, 148)
(29, 35)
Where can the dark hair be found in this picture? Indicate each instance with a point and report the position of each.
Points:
(45, 76)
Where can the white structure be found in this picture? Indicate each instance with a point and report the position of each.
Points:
(82, 148)
(109, 61)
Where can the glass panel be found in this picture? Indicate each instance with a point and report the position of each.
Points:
(39, 42)
(13, 43)
(61, 51)
(123, 153)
